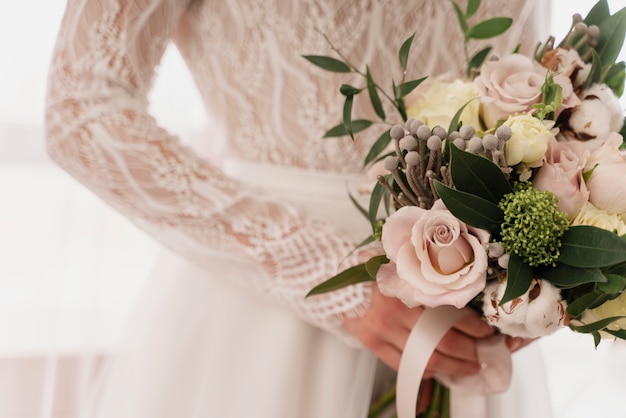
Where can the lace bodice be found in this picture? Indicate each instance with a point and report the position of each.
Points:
(269, 105)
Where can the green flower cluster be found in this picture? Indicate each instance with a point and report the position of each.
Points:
(533, 225)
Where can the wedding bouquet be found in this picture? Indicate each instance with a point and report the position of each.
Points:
(513, 203)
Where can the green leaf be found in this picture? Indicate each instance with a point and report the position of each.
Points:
(611, 40)
(353, 275)
(490, 28)
(472, 210)
(348, 90)
(477, 175)
(588, 246)
(379, 146)
(596, 70)
(358, 125)
(472, 8)
(579, 305)
(377, 195)
(374, 98)
(477, 60)
(519, 275)
(614, 77)
(598, 13)
(614, 284)
(621, 334)
(360, 208)
(565, 276)
(405, 88)
(595, 326)
(403, 54)
(454, 123)
(328, 63)
(461, 18)
(347, 115)
(373, 264)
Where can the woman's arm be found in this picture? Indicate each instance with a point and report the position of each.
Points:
(99, 130)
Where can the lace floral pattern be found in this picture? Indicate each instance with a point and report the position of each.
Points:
(272, 105)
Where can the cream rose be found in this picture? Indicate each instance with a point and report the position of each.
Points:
(539, 312)
(512, 85)
(434, 258)
(607, 188)
(613, 307)
(562, 174)
(436, 102)
(529, 140)
(592, 216)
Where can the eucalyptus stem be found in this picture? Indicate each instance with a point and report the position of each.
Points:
(383, 402)
(357, 71)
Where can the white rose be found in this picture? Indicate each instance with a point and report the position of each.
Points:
(539, 312)
(436, 102)
(592, 216)
(529, 140)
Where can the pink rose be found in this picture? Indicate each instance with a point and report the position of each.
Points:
(607, 188)
(435, 259)
(512, 85)
(562, 174)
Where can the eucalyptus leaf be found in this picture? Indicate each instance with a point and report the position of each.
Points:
(358, 205)
(328, 63)
(519, 275)
(472, 210)
(614, 77)
(472, 8)
(403, 54)
(347, 115)
(565, 276)
(621, 334)
(377, 195)
(348, 90)
(611, 40)
(598, 13)
(579, 305)
(596, 70)
(353, 275)
(490, 28)
(409, 86)
(477, 175)
(373, 264)
(597, 338)
(614, 284)
(477, 60)
(460, 16)
(588, 246)
(358, 125)
(596, 326)
(454, 123)
(379, 146)
(373, 93)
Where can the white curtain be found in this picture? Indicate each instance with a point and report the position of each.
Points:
(70, 268)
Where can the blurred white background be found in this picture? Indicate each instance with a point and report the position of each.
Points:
(70, 268)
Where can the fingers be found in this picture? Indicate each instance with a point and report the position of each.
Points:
(516, 343)
(474, 326)
(443, 364)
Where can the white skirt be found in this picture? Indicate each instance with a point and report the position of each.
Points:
(196, 347)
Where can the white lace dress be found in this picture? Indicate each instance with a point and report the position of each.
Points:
(223, 328)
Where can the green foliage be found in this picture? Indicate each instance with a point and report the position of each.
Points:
(519, 276)
(587, 246)
(353, 275)
(328, 63)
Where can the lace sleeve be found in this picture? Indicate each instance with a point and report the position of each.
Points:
(98, 129)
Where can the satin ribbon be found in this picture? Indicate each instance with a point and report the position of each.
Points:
(466, 392)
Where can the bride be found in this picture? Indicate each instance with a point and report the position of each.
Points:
(223, 328)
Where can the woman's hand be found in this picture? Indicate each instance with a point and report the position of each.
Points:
(385, 328)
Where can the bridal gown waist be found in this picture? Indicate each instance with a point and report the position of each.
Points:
(321, 195)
